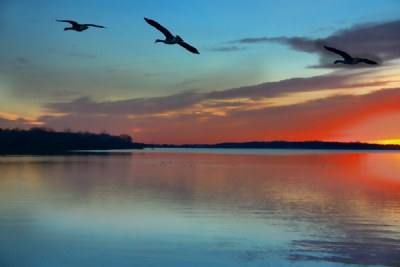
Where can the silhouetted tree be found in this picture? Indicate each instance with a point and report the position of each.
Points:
(126, 137)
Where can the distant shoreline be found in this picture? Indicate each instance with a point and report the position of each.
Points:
(40, 141)
(320, 145)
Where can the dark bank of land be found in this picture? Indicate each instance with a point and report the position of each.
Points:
(40, 140)
(289, 145)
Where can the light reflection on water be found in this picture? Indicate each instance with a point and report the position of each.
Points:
(180, 209)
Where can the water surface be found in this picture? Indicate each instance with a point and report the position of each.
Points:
(156, 208)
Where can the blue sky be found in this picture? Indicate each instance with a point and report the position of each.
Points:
(41, 64)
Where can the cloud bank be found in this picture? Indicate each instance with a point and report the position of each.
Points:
(319, 119)
(378, 41)
(188, 99)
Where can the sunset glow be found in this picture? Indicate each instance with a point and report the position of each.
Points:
(387, 142)
(252, 81)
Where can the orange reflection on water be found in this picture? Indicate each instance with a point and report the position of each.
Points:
(339, 203)
(251, 176)
(339, 181)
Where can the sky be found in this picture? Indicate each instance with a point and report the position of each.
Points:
(262, 73)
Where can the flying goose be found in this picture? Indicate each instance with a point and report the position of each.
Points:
(349, 59)
(169, 38)
(78, 27)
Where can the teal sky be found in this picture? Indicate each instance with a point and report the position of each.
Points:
(41, 64)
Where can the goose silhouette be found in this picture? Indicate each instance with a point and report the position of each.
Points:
(169, 38)
(347, 59)
(75, 26)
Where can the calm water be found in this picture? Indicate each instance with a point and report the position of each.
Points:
(201, 209)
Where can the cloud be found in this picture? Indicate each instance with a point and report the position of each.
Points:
(321, 119)
(226, 49)
(138, 106)
(284, 87)
(188, 99)
(22, 123)
(5, 122)
(375, 41)
(115, 124)
(214, 104)
(298, 43)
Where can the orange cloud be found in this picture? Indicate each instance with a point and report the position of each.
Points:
(321, 119)
(9, 120)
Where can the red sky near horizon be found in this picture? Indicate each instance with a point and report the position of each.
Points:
(253, 80)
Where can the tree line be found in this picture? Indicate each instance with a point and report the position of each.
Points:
(42, 139)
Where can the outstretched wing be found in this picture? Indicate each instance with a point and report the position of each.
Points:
(156, 25)
(73, 23)
(94, 25)
(339, 52)
(368, 61)
(189, 47)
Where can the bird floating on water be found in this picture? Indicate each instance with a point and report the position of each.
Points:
(78, 27)
(349, 60)
(169, 38)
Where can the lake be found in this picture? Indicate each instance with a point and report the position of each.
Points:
(187, 207)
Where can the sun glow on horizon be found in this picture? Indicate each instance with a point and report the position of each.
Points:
(386, 142)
